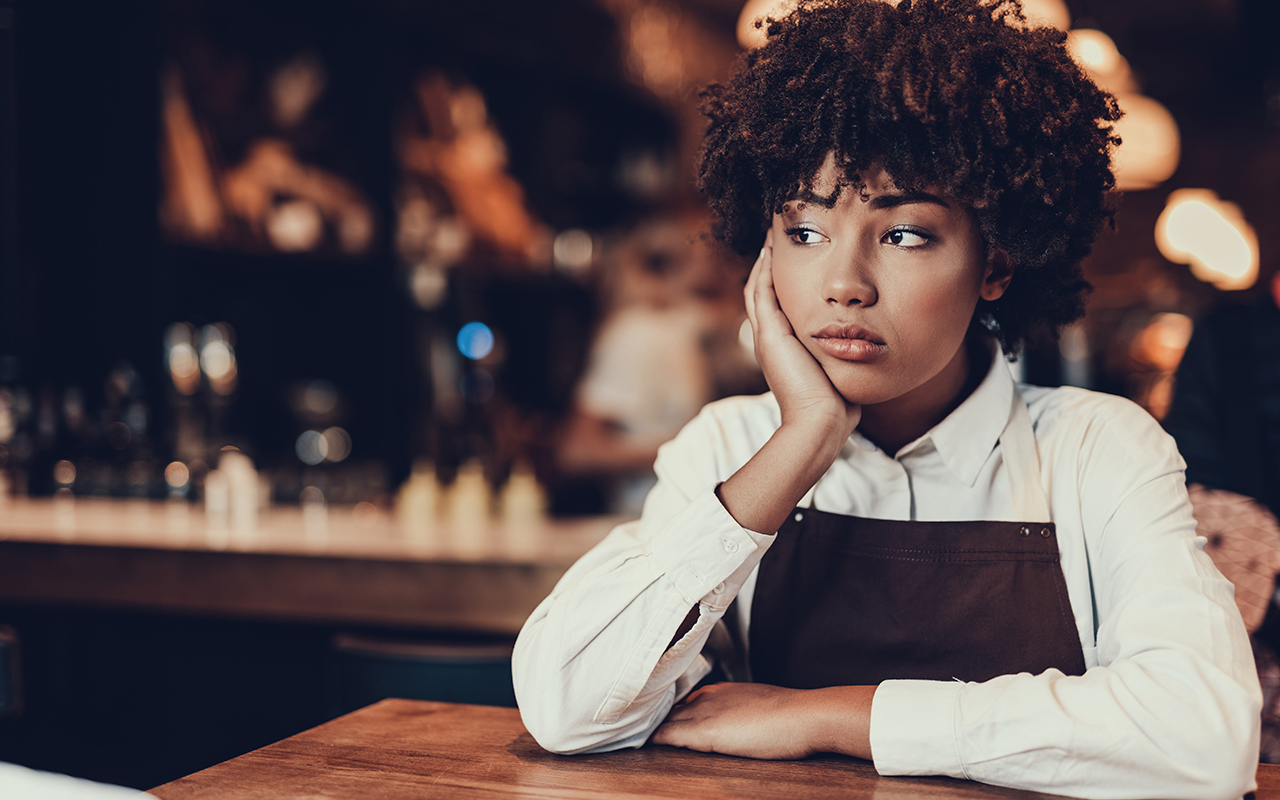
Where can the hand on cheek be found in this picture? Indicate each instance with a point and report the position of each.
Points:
(804, 392)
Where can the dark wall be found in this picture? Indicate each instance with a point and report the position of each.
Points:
(84, 142)
(89, 281)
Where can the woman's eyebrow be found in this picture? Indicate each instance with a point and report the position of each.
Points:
(882, 201)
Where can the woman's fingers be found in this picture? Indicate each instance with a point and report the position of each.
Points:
(767, 318)
(749, 291)
(768, 312)
(753, 282)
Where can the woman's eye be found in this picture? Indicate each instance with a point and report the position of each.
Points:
(804, 236)
(905, 237)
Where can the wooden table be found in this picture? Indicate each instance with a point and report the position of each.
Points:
(347, 566)
(413, 749)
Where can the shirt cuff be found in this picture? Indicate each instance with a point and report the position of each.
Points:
(913, 728)
(703, 549)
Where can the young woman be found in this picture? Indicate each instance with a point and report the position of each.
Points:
(899, 553)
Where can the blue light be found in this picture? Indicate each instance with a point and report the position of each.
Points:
(475, 340)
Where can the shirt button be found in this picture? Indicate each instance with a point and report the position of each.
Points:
(719, 589)
(730, 546)
(799, 516)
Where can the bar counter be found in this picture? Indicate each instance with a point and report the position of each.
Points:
(409, 749)
(354, 566)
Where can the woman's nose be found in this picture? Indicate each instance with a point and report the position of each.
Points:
(849, 283)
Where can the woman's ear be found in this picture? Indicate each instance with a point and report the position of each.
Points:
(997, 276)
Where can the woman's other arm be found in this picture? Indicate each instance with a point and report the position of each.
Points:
(1173, 708)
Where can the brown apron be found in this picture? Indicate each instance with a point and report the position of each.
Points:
(842, 600)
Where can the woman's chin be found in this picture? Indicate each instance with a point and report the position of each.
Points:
(862, 395)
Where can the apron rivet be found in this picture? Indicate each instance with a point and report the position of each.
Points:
(1025, 531)
(1044, 533)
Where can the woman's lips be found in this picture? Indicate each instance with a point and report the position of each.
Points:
(850, 343)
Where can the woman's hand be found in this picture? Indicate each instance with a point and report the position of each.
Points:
(761, 721)
(816, 419)
(804, 393)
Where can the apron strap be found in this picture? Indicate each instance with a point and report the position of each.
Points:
(1022, 463)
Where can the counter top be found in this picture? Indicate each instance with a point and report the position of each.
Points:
(361, 532)
(350, 566)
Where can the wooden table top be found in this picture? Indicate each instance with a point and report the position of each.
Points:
(411, 749)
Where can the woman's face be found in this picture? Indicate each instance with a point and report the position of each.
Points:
(881, 290)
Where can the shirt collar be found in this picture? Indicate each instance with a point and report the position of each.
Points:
(966, 437)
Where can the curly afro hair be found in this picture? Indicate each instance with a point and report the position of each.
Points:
(960, 95)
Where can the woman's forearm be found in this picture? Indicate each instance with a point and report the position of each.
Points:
(761, 495)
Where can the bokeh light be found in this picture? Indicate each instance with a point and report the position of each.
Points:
(64, 473)
(1211, 236)
(1151, 144)
(311, 448)
(73, 408)
(429, 285)
(475, 340)
(294, 87)
(311, 496)
(181, 357)
(319, 398)
(1157, 350)
(295, 226)
(654, 56)
(573, 250)
(176, 475)
(1097, 53)
(1047, 14)
(751, 37)
(218, 357)
(1163, 341)
(8, 416)
(337, 444)
(366, 514)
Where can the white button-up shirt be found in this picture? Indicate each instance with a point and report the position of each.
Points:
(1169, 706)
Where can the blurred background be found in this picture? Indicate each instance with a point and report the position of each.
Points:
(377, 247)
(265, 225)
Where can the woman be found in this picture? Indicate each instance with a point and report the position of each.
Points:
(899, 553)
